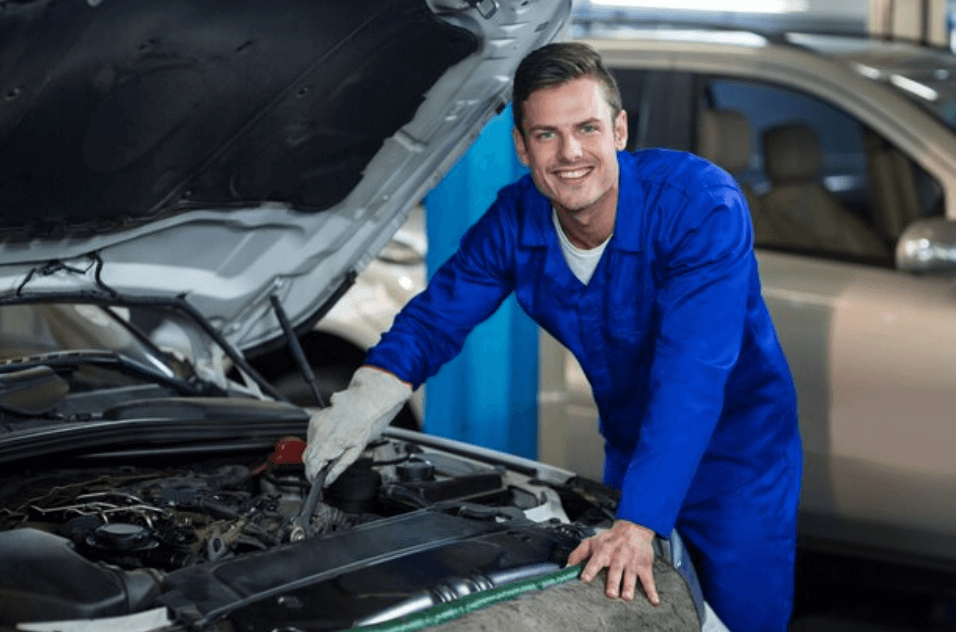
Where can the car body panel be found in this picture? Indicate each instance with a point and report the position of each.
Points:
(871, 354)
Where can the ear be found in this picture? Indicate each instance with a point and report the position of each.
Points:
(522, 151)
(620, 130)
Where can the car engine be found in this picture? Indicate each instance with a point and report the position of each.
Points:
(111, 539)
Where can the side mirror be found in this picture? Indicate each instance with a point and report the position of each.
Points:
(928, 245)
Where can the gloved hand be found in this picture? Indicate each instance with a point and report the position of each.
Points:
(339, 433)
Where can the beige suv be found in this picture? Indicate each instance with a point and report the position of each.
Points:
(846, 149)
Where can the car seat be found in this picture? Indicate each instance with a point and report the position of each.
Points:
(799, 212)
(723, 137)
(893, 188)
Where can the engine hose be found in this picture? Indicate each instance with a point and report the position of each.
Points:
(326, 519)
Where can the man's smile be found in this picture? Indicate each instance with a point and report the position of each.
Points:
(573, 174)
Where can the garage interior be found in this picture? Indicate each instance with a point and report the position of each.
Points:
(488, 395)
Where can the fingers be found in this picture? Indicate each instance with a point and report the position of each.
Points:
(626, 553)
(580, 554)
(615, 573)
(593, 567)
(313, 463)
(307, 460)
(325, 448)
(320, 455)
(628, 582)
(646, 575)
(622, 581)
(320, 425)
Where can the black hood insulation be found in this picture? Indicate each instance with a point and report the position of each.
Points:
(119, 112)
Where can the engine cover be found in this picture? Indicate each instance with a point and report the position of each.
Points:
(45, 579)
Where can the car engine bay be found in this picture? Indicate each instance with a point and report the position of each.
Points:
(212, 537)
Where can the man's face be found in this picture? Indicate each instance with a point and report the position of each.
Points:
(570, 143)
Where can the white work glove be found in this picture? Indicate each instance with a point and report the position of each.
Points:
(339, 433)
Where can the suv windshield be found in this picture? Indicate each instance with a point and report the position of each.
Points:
(932, 88)
(923, 75)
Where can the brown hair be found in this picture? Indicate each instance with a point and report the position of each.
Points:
(558, 63)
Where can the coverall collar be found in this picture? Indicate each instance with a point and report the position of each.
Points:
(538, 230)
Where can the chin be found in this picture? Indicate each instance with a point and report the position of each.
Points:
(576, 205)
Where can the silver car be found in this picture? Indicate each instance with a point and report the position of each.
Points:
(184, 183)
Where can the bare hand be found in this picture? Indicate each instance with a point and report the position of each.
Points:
(625, 550)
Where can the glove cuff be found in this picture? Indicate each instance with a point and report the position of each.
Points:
(384, 384)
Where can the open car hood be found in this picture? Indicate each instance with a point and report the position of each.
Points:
(230, 152)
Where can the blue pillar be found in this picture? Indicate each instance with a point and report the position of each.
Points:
(488, 394)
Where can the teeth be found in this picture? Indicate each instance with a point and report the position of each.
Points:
(579, 173)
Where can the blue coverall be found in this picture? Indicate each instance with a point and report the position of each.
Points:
(697, 406)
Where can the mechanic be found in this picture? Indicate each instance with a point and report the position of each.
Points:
(642, 265)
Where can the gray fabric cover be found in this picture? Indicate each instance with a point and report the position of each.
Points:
(580, 607)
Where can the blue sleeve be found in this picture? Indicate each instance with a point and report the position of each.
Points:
(431, 329)
(705, 253)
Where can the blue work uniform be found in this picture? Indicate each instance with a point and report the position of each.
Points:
(697, 406)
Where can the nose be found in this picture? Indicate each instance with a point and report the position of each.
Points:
(571, 148)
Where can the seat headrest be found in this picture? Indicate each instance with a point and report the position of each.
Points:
(723, 137)
(791, 153)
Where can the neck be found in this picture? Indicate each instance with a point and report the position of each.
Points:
(588, 228)
(580, 240)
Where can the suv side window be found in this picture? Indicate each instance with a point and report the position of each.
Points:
(808, 173)
(824, 184)
(842, 168)
(818, 181)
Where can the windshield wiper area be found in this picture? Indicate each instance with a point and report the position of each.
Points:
(141, 354)
(59, 361)
(31, 391)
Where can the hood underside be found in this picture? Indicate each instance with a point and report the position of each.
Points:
(228, 152)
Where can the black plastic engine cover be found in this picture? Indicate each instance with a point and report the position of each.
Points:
(328, 583)
(43, 579)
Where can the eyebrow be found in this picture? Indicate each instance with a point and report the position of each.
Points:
(551, 128)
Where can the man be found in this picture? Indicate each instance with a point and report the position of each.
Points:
(643, 266)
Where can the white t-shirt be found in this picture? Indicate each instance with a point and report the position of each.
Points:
(582, 261)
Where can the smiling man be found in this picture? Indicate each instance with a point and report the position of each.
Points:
(642, 265)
